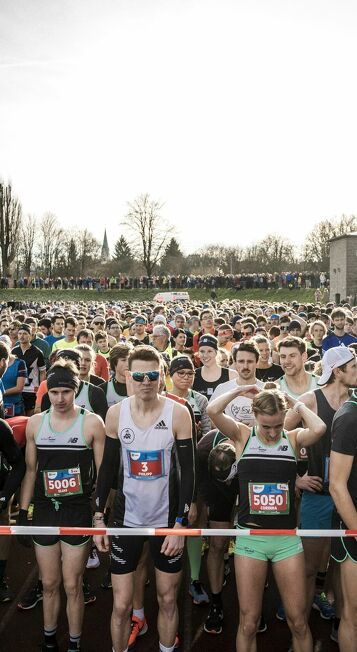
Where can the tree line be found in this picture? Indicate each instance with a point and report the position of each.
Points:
(148, 245)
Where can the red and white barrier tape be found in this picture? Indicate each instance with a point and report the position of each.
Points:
(159, 532)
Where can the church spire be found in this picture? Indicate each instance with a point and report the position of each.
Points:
(105, 249)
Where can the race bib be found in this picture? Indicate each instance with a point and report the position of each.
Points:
(64, 482)
(269, 499)
(9, 411)
(146, 465)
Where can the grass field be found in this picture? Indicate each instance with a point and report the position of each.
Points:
(49, 296)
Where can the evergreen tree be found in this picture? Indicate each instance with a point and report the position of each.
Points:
(123, 255)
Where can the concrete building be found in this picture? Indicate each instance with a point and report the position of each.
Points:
(343, 267)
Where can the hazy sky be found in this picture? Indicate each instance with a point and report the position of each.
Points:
(240, 115)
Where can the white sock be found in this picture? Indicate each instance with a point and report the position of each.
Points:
(126, 650)
(166, 649)
(139, 613)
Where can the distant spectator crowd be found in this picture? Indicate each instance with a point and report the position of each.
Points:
(283, 280)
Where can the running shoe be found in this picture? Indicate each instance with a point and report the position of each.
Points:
(197, 593)
(321, 604)
(106, 582)
(280, 612)
(93, 559)
(334, 634)
(31, 598)
(52, 647)
(89, 595)
(5, 595)
(138, 628)
(213, 623)
(262, 625)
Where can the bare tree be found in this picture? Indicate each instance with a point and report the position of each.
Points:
(27, 247)
(87, 248)
(10, 226)
(317, 246)
(51, 243)
(150, 231)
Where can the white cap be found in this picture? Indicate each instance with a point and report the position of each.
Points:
(160, 318)
(332, 359)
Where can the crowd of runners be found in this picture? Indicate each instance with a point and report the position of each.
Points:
(144, 415)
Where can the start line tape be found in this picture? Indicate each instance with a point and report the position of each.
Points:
(159, 532)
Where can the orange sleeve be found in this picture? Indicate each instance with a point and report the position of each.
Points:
(42, 390)
(101, 367)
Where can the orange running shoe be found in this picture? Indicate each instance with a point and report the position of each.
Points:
(138, 628)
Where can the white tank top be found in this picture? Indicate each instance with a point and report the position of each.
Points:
(146, 468)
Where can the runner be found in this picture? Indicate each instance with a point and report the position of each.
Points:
(296, 381)
(35, 365)
(219, 499)
(182, 374)
(245, 356)
(115, 389)
(210, 375)
(339, 335)
(343, 489)
(12, 470)
(266, 370)
(144, 431)
(266, 468)
(339, 372)
(61, 447)
(69, 341)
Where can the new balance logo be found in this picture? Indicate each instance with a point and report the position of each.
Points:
(72, 440)
(161, 426)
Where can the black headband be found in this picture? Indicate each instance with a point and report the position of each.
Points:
(62, 377)
(180, 362)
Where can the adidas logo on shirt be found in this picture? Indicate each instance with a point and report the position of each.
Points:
(161, 426)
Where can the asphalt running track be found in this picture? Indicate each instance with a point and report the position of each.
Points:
(22, 630)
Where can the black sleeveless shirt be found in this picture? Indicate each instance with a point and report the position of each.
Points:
(319, 454)
(207, 387)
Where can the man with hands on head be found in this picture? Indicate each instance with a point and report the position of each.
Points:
(338, 373)
(266, 458)
(146, 433)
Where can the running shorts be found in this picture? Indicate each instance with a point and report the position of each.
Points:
(268, 548)
(125, 553)
(316, 511)
(72, 514)
(342, 548)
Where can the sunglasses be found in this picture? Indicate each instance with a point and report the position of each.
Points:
(284, 328)
(139, 376)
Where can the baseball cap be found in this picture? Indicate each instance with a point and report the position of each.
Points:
(274, 316)
(160, 318)
(332, 359)
(140, 319)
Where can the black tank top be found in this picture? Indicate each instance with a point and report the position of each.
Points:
(266, 475)
(207, 387)
(319, 454)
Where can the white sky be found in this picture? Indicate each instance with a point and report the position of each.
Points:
(240, 115)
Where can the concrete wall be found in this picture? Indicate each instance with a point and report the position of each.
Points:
(343, 267)
(338, 268)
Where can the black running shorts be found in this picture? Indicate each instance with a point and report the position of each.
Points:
(72, 514)
(125, 553)
(342, 548)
